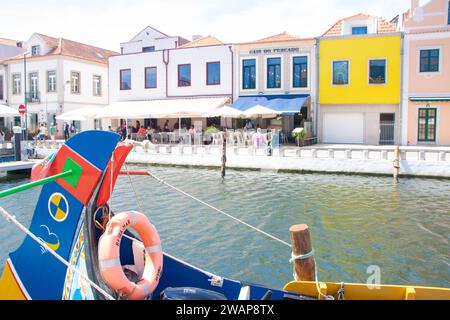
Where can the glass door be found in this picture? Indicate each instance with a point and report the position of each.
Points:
(427, 125)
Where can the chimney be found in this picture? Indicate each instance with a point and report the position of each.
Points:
(414, 5)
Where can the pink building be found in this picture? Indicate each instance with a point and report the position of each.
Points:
(426, 85)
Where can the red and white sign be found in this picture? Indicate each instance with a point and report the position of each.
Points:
(22, 109)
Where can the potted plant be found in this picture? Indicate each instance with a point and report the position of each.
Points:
(299, 135)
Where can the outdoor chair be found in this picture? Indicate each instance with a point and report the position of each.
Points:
(198, 139)
(230, 138)
(173, 137)
(247, 138)
(217, 138)
(185, 138)
(239, 139)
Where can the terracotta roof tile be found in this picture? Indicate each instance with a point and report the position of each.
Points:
(84, 51)
(284, 36)
(384, 26)
(202, 42)
(74, 49)
(50, 41)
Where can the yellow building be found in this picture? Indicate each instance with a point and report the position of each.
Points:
(359, 82)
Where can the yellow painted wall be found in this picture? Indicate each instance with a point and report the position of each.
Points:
(358, 50)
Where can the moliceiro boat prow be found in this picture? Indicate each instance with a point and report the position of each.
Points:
(77, 248)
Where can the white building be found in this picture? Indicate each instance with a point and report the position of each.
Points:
(60, 75)
(155, 66)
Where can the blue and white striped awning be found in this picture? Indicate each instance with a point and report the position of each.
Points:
(285, 104)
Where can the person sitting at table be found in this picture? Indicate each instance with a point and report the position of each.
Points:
(130, 131)
(166, 126)
(141, 131)
(123, 131)
(149, 133)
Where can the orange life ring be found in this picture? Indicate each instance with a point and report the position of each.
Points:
(109, 255)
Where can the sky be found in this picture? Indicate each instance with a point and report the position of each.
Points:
(107, 23)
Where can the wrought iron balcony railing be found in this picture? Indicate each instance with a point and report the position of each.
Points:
(33, 97)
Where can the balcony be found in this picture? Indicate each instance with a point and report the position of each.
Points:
(33, 97)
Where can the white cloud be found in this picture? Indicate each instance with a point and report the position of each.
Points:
(107, 23)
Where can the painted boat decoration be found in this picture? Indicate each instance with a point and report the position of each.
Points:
(76, 248)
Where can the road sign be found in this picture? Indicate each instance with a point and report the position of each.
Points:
(22, 109)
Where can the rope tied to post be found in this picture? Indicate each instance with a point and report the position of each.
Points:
(301, 256)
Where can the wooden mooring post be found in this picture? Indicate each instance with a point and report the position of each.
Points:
(396, 162)
(302, 253)
(224, 153)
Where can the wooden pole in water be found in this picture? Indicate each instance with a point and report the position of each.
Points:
(305, 267)
(224, 152)
(396, 162)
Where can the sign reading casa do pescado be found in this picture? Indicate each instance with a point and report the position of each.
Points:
(274, 50)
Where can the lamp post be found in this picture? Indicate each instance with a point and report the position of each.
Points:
(25, 92)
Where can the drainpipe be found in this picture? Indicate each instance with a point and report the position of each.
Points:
(6, 96)
(316, 116)
(232, 73)
(166, 63)
(400, 115)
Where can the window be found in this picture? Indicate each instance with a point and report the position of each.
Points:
(429, 60)
(148, 49)
(35, 50)
(340, 72)
(51, 81)
(427, 125)
(34, 87)
(75, 82)
(377, 71)
(359, 30)
(184, 75)
(300, 72)
(150, 77)
(1, 87)
(249, 74)
(213, 73)
(448, 16)
(16, 85)
(273, 73)
(97, 85)
(125, 79)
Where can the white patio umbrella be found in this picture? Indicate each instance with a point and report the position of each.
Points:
(80, 114)
(227, 112)
(260, 111)
(6, 111)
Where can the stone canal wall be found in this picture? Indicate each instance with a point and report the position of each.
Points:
(349, 159)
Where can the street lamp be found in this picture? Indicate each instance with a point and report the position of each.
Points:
(25, 92)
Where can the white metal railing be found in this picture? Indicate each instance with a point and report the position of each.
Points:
(336, 152)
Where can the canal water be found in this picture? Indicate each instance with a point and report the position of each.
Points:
(356, 222)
